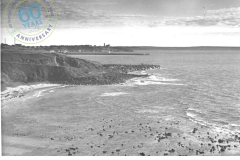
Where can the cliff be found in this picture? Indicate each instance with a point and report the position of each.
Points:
(27, 67)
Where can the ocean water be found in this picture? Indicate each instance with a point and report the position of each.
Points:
(201, 86)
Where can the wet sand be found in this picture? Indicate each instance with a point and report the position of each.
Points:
(69, 122)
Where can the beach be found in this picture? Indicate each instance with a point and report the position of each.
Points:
(20, 90)
(72, 120)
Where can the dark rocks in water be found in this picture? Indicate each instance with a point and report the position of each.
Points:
(163, 136)
(110, 136)
(197, 152)
(194, 130)
(220, 141)
(142, 154)
(213, 148)
(201, 152)
(168, 134)
(223, 149)
(172, 150)
(129, 68)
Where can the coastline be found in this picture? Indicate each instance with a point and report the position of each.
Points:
(97, 119)
(19, 91)
(61, 69)
(147, 132)
(54, 124)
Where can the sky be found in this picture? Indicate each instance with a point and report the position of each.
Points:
(144, 23)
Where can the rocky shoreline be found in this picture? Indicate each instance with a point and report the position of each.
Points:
(115, 74)
(129, 68)
(51, 68)
(65, 122)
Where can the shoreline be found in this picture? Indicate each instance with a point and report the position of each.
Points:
(103, 129)
(19, 91)
(142, 133)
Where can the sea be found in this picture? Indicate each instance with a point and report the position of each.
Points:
(202, 86)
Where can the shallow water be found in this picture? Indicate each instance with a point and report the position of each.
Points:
(202, 86)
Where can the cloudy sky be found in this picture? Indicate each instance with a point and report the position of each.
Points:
(146, 23)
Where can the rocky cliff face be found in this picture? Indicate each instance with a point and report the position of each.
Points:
(61, 69)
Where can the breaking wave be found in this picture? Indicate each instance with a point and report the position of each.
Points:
(152, 79)
(195, 116)
(113, 94)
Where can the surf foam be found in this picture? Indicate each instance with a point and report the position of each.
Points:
(152, 79)
(215, 127)
(113, 94)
